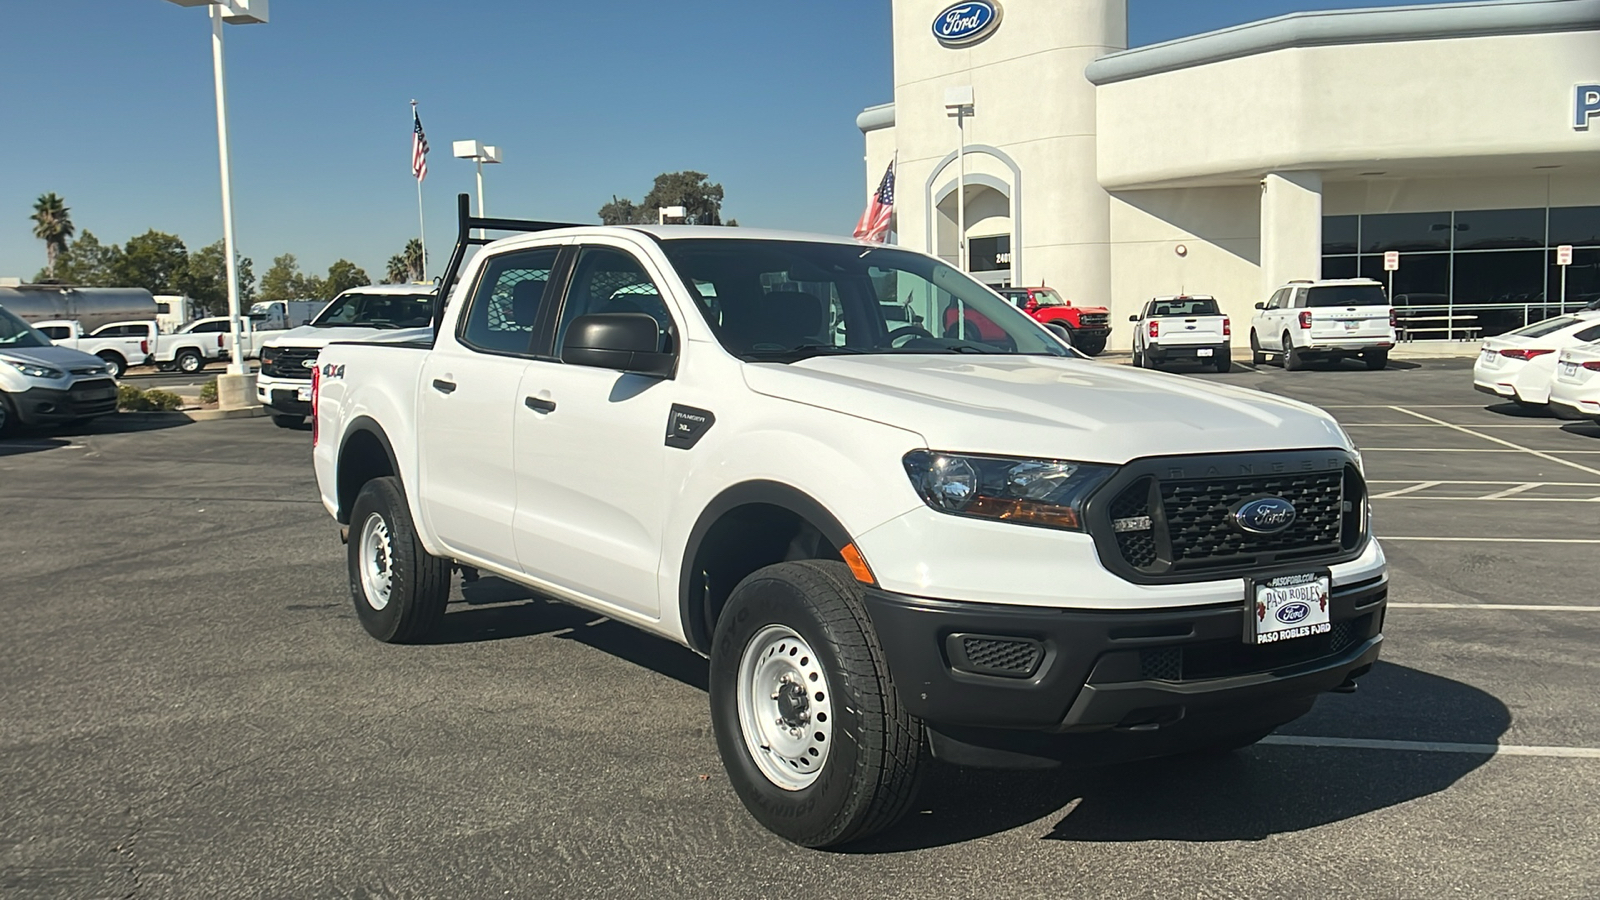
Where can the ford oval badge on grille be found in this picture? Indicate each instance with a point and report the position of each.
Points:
(312, 364)
(1264, 515)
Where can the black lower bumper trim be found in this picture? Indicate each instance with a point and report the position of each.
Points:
(287, 403)
(84, 400)
(1134, 672)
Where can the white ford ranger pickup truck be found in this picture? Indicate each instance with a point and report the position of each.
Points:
(888, 542)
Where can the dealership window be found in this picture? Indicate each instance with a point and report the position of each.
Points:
(1497, 265)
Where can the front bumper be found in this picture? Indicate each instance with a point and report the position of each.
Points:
(1117, 684)
(82, 400)
(282, 396)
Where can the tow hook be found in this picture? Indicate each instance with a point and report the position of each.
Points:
(1349, 687)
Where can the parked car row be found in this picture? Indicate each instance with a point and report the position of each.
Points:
(1547, 365)
(121, 345)
(43, 384)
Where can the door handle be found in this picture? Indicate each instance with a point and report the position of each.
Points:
(444, 387)
(538, 404)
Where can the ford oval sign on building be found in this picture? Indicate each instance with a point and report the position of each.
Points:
(966, 23)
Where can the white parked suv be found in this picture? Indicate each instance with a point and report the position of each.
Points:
(1521, 365)
(886, 540)
(378, 311)
(1332, 320)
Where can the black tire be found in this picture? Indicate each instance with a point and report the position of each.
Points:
(868, 776)
(1257, 358)
(1223, 361)
(1092, 346)
(189, 361)
(418, 582)
(1376, 359)
(1293, 361)
(8, 417)
(288, 421)
(115, 363)
(1063, 332)
(1138, 357)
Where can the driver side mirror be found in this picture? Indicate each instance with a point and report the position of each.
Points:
(1261, 306)
(1133, 318)
(628, 342)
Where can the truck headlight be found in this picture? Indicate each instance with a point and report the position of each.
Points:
(36, 371)
(1044, 492)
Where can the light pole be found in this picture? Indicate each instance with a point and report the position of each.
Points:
(958, 105)
(479, 154)
(233, 12)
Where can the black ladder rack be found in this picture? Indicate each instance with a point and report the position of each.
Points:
(465, 223)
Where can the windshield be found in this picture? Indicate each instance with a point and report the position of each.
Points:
(1185, 306)
(1347, 295)
(780, 301)
(16, 333)
(1548, 326)
(1045, 297)
(377, 311)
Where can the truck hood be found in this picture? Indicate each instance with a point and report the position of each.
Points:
(318, 336)
(54, 357)
(1047, 407)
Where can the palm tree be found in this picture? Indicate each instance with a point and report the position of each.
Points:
(407, 264)
(52, 223)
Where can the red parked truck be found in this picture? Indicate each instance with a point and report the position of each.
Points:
(1085, 327)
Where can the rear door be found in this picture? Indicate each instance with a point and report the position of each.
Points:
(467, 404)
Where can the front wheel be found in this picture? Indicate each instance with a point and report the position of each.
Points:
(1093, 346)
(115, 365)
(8, 416)
(1062, 332)
(1257, 358)
(807, 720)
(399, 589)
(190, 362)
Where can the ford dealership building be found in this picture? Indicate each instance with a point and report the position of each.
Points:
(1305, 146)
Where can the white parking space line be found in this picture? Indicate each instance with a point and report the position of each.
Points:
(1295, 740)
(1491, 540)
(1510, 491)
(1539, 453)
(1555, 426)
(1593, 484)
(1413, 406)
(1515, 607)
(1419, 486)
(1489, 437)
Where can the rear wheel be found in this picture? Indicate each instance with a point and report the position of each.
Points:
(807, 721)
(1257, 358)
(1376, 359)
(1293, 360)
(1138, 357)
(190, 361)
(1223, 360)
(399, 589)
(116, 364)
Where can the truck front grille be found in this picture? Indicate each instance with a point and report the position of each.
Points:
(1093, 320)
(1180, 527)
(289, 362)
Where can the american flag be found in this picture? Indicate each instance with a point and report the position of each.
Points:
(419, 146)
(874, 224)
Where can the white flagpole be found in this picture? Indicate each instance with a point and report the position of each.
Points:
(422, 225)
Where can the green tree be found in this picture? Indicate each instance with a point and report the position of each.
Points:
(406, 265)
(206, 279)
(701, 201)
(283, 280)
(52, 223)
(622, 212)
(155, 261)
(342, 276)
(86, 262)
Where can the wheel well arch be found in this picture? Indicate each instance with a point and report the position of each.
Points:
(746, 527)
(365, 454)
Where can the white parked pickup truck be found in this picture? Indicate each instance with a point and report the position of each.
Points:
(186, 352)
(116, 348)
(1182, 327)
(887, 541)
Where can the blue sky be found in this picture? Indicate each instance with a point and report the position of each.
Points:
(587, 99)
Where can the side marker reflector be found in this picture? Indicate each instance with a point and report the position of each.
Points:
(858, 565)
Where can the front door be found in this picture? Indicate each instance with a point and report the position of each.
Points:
(591, 449)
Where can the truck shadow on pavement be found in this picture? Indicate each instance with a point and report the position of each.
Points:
(494, 609)
(1244, 796)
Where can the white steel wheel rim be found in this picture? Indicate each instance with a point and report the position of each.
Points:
(785, 707)
(376, 551)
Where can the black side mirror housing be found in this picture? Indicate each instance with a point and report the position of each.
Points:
(1261, 306)
(1133, 318)
(628, 342)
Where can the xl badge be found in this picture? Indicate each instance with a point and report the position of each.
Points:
(1264, 515)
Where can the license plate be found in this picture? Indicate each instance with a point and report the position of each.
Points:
(1569, 370)
(1205, 351)
(1351, 326)
(1289, 607)
(1489, 355)
(303, 394)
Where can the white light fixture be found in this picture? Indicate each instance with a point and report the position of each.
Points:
(480, 154)
(670, 212)
(232, 12)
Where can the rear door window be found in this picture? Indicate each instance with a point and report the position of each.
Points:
(505, 309)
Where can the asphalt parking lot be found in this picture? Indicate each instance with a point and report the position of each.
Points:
(191, 708)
